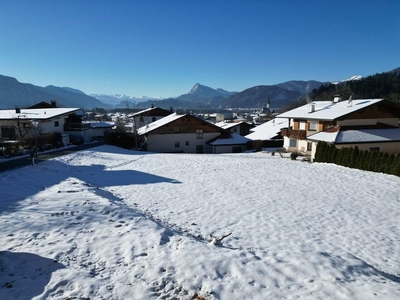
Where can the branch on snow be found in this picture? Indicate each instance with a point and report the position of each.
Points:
(218, 241)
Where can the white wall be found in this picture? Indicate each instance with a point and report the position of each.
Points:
(166, 142)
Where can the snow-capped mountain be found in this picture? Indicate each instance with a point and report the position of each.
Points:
(352, 78)
(118, 98)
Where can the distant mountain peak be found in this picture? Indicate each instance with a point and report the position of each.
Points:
(352, 78)
(355, 77)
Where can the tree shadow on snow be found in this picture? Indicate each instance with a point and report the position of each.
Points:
(24, 275)
(351, 267)
(30, 180)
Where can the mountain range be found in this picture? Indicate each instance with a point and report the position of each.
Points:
(16, 94)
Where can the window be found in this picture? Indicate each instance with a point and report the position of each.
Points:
(302, 125)
(292, 143)
(199, 133)
(162, 130)
(313, 126)
(56, 124)
(8, 132)
(177, 144)
(176, 129)
(141, 119)
(309, 146)
(187, 143)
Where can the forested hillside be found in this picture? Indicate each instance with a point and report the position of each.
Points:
(383, 85)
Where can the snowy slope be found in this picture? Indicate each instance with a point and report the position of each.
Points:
(109, 223)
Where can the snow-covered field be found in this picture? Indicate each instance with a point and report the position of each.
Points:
(109, 223)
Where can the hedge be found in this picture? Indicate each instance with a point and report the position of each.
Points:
(352, 157)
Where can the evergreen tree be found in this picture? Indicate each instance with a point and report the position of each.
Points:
(354, 157)
(339, 157)
(372, 161)
(349, 156)
(358, 163)
(389, 163)
(396, 166)
(366, 159)
(320, 152)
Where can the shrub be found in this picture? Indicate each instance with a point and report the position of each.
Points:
(294, 155)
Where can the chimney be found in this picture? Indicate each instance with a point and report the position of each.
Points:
(311, 108)
(17, 110)
(337, 98)
(53, 103)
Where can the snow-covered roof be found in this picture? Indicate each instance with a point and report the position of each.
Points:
(102, 124)
(328, 110)
(358, 136)
(147, 111)
(227, 125)
(37, 113)
(142, 111)
(268, 130)
(234, 139)
(159, 123)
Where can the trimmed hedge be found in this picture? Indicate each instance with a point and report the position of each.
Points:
(374, 161)
(121, 139)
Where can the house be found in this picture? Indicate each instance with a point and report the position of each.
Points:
(269, 133)
(148, 116)
(229, 143)
(368, 123)
(270, 130)
(17, 124)
(100, 128)
(179, 133)
(240, 127)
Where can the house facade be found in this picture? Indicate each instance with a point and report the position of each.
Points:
(148, 116)
(239, 127)
(229, 143)
(17, 124)
(316, 121)
(178, 133)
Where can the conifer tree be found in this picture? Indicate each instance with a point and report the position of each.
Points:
(339, 157)
(354, 157)
(389, 163)
(396, 166)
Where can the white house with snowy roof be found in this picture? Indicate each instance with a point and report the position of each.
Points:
(240, 126)
(185, 133)
(16, 124)
(371, 124)
(148, 115)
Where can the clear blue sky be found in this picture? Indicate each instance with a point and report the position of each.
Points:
(162, 48)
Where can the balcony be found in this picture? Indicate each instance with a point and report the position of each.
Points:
(294, 134)
(76, 126)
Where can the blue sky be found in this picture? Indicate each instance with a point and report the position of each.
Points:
(162, 48)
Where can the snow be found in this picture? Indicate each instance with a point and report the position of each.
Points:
(358, 136)
(228, 125)
(159, 123)
(37, 113)
(268, 130)
(327, 110)
(234, 139)
(109, 223)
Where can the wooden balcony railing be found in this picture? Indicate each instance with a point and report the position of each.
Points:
(76, 126)
(294, 134)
